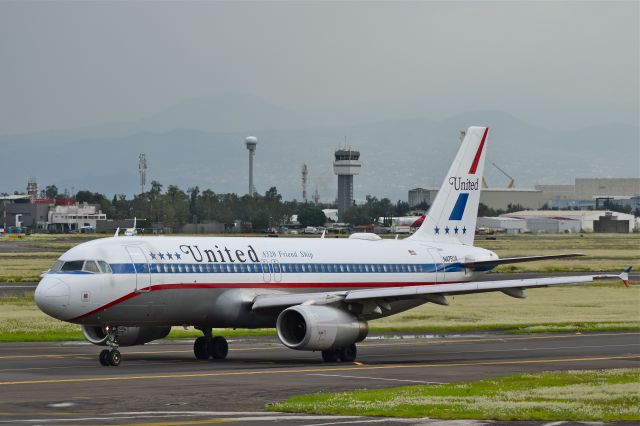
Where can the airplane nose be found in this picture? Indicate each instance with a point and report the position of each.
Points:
(52, 297)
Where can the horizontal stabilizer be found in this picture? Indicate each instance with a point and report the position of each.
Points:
(507, 260)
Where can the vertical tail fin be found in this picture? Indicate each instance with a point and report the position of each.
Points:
(452, 217)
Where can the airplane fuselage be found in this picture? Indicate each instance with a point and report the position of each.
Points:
(211, 281)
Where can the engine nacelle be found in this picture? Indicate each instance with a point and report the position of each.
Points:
(127, 336)
(318, 328)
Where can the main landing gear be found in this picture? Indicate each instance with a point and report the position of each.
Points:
(209, 346)
(346, 354)
(111, 356)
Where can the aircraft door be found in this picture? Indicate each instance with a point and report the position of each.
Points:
(141, 268)
(438, 262)
(277, 272)
(266, 272)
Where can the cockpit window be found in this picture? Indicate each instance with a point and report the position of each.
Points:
(104, 267)
(56, 266)
(91, 266)
(74, 265)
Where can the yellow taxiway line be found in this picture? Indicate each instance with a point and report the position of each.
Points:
(313, 370)
(418, 342)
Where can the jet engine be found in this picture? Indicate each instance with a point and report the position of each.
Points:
(319, 328)
(127, 336)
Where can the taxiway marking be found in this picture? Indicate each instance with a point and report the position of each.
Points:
(312, 370)
(394, 343)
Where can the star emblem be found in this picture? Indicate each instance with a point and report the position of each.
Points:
(153, 256)
(464, 230)
(161, 256)
(177, 255)
(437, 230)
(169, 256)
(446, 229)
(455, 230)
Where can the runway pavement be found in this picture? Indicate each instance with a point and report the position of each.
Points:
(162, 383)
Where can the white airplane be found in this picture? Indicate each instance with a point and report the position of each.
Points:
(319, 294)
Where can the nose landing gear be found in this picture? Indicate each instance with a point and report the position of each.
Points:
(208, 346)
(111, 356)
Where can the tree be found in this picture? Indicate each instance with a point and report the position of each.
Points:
(311, 216)
(51, 191)
(357, 216)
(193, 203)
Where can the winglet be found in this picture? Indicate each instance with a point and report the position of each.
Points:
(624, 276)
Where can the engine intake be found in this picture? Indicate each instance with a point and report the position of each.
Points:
(127, 336)
(313, 328)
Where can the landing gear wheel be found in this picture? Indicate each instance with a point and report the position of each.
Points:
(201, 348)
(218, 348)
(114, 357)
(104, 357)
(348, 353)
(330, 355)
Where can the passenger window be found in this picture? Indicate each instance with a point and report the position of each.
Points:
(75, 265)
(91, 266)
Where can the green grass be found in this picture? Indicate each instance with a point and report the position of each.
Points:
(605, 252)
(597, 395)
(595, 307)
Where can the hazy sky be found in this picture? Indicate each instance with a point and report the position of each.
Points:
(558, 64)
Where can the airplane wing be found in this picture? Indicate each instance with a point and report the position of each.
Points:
(506, 260)
(433, 292)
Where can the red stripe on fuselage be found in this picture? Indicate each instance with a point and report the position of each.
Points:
(476, 159)
(274, 286)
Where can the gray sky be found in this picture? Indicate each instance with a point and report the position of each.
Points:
(558, 64)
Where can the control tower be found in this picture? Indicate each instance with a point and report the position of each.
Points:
(346, 165)
(251, 142)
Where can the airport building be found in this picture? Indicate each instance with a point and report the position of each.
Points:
(502, 224)
(74, 217)
(589, 220)
(586, 192)
(48, 214)
(346, 165)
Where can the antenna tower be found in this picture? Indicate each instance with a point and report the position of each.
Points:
(316, 196)
(305, 178)
(142, 169)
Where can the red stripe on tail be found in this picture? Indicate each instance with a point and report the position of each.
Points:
(476, 160)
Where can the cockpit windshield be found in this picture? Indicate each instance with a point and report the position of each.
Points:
(90, 266)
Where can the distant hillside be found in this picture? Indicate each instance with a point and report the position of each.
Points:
(200, 142)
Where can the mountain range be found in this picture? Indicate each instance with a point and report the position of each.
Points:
(201, 142)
